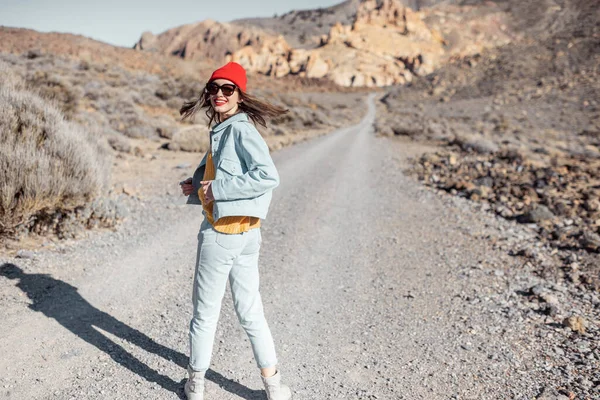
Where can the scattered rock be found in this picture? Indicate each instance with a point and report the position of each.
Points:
(479, 145)
(539, 213)
(575, 323)
(549, 298)
(128, 190)
(549, 393)
(590, 241)
(25, 254)
(138, 152)
(538, 290)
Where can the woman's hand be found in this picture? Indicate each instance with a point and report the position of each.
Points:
(186, 186)
(207, 189)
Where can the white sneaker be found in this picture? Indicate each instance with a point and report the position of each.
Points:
(275, 389)
(194, 387)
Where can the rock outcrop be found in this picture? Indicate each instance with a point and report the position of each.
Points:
(384, 43)
(205, 39)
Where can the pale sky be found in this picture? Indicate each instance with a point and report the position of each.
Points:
(122, 22)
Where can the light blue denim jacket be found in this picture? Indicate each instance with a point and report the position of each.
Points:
(245, 174)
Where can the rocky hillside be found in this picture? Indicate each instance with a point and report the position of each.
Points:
(81, 48)
(518, 130)
(303, 29)
(356, 43)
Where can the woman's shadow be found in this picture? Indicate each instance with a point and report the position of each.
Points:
(61, 301)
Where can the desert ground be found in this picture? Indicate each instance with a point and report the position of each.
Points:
(436, 232)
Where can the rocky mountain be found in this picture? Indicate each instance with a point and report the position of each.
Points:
(205, 39)
(355, 43)
(302, 29)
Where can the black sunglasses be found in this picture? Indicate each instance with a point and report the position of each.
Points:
(228, 89)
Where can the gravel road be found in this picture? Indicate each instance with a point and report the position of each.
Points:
(374, 288)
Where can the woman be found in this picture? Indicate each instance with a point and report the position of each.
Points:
(234, 184)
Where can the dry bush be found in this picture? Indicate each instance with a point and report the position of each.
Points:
(194, 138)
(47, 163)
(117, 96)
(164, 126)
(57, 88)
(118, 142)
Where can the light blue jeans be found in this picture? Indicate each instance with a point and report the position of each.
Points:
(232, 257)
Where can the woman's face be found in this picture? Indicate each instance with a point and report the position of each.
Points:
(226, 106)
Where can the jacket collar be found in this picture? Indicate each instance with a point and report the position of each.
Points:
(241, 116)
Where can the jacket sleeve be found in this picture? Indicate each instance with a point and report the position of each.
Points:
(194, 197)
(261, 176)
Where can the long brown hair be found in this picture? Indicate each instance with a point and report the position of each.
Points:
(256, 109)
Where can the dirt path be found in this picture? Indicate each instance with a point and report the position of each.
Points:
(374, 287)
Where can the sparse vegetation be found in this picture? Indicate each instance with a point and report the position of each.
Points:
(50, 168)
(137, 104)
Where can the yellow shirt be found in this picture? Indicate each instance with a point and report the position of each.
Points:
(231, 224)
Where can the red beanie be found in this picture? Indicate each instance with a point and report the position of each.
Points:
(231, 71)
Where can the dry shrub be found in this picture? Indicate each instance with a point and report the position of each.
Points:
(118, 142)
(194, 138)
(59, 89)
(47, 163)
